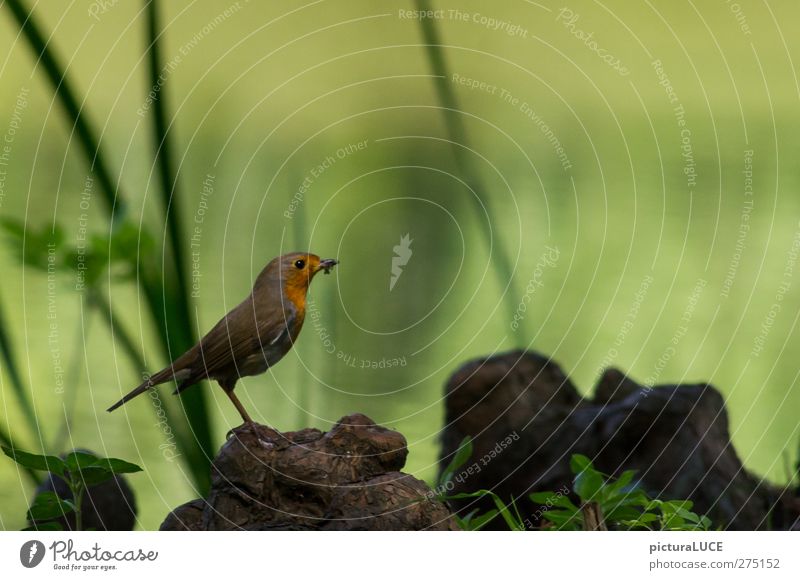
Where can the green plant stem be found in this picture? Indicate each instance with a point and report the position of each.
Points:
(73, 378)
(5, 439)
(168, 308)
(163, 155)
(77, 499)
(62, 86)
(179, 328)
(592, 516)
(457, 134)
(195, 461)
(796, 474)
(20, 390)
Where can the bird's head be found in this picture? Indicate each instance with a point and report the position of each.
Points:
(295, 271)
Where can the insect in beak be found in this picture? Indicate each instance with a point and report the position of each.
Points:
(328, 265)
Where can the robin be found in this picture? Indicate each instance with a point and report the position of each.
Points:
(250, 338)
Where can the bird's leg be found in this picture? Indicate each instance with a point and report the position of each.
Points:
(239, 407)
(249, 424)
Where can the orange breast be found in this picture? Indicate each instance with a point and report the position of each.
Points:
(297, 294)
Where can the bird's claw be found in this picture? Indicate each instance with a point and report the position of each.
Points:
(255, 429)
(247, 426)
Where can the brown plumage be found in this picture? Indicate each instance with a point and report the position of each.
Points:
(250, 338)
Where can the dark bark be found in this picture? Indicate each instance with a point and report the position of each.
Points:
(527, 419)
(346, 479)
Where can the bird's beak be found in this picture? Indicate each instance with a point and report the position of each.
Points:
(327, 265)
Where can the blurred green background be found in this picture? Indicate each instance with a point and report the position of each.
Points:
(259, 98)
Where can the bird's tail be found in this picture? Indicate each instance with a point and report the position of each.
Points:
(160, 377)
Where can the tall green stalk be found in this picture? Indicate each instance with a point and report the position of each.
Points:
(166, 296)
(9, 360)
(180, 327)
(458, 135)
(163, 156)
(62, 86)
(72, 377)
(196, 462)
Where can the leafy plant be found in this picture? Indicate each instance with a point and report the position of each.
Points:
(128, 250)
(79, 470)
(90, 261)
(618, 503)
(604, 502)
(474, 520)
(115, 256)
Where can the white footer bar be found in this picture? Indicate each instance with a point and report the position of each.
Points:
(406, 555)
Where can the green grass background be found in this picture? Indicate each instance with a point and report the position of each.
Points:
(272, 90)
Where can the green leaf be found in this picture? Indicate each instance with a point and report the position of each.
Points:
(35, 244)
(563, 520)
(513, 523)
(614, 488)
(634, 498)
(518, 515)
(588, 481)
(689, 516)
(94, 470)
(623, 513)
(635, 524)
(579, 463)
(78, 459)
(673, 522)
(482, 520)
(468, 494)
(624, 479)
(648, 518)
(677, 504)
(47, 506)
(588, 484)
(460, 458)
(505, 511)
(92, 475)
(37, 462)
(15, 229)
(547, 498)
(475, 522)
(654, 505)
(466, 519)
(117, 466)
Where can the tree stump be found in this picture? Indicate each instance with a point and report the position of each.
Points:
(346, 479)
(675, 436)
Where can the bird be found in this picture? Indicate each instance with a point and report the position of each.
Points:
(252, 337)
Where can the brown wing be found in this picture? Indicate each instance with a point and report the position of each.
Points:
(243, 333)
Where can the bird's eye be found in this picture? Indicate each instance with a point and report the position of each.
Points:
(300, 264)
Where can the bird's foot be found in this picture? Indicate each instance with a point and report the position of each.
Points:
(257, 430)
(250, 426)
